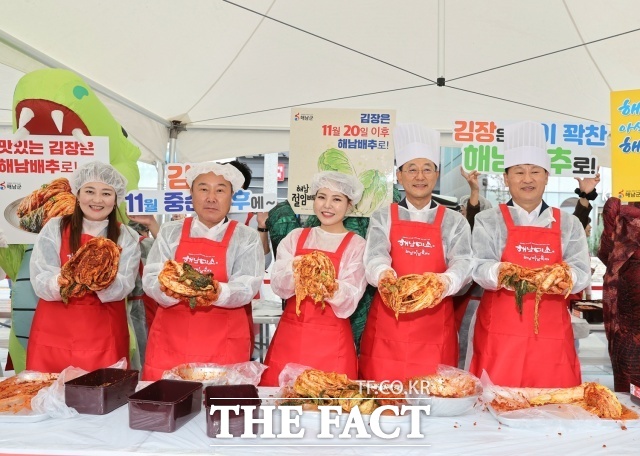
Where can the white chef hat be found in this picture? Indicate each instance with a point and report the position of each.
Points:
(229, 172)
(97, 171)
(348, 185)
(413, 141)
(525, 144)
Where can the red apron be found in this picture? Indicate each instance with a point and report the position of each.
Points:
(417, 342)
(317, 338)
(84, 333)
(504, 343)
(205, 334)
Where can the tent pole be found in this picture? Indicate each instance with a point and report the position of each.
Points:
(174, 131)
(441, 39)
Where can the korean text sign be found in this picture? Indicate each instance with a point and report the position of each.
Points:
(352, 141)
(568, 144)
(176, 199)
(625, 144)
(30, 164)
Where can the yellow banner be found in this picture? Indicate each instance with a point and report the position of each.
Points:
(625, 144)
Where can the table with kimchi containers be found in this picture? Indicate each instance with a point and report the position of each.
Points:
(475, 432)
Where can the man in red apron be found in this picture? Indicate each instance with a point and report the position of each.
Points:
(526, 232)
(414, 237)
(219, 333)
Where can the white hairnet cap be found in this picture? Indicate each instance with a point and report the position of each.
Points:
(348, 185)
(229, 172)
(525, 144)
(99, 172)
(413, 141)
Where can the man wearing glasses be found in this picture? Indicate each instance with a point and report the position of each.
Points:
(413, 237)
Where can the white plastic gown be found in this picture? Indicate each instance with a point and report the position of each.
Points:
(45, 261)
(490, 239)
(351, 277)
(245, 262)
(241, 217)
(456, 241)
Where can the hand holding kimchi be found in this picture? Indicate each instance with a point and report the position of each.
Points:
(93, 267)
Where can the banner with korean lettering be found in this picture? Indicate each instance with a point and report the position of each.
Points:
(568, 144)
(32, 164)
(353, 141)
(625, 144)
(176, 199)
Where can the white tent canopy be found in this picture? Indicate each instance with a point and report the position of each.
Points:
(231, 70)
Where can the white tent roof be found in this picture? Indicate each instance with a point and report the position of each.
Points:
(233, 69)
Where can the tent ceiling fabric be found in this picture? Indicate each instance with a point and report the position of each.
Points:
(225, 70)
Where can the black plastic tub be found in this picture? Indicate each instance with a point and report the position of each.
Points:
(165, 405)
(101, 391)
(230, 395)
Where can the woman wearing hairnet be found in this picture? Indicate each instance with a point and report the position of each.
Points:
(529, 233)
(211, 243)
(90, 332)
(320, 338)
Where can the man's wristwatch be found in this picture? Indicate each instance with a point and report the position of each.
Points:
(263, 230)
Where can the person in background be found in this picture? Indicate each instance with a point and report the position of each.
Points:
(528, 233)
(465, 303)
(253, 219)
(256, 221)
(413, 237)
(320, 337)
(89, 332)
(586, 192)
(620, 252)
(472, 203)
(147, 227)
(211, 243)
(136, 299)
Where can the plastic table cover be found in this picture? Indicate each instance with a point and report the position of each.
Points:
(477, 432)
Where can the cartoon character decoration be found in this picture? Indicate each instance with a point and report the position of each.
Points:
(57, 102)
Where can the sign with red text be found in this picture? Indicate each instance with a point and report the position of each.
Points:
(357, 142)
(568, 143)
(32, 164)
(176, 199)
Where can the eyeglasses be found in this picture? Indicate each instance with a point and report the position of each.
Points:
(413, 172)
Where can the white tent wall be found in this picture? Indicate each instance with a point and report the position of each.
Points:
(202, 144)
(231, 71)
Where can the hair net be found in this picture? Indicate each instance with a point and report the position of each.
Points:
(348, 185)
(229, 172)
(484, 203)
(99, 172)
